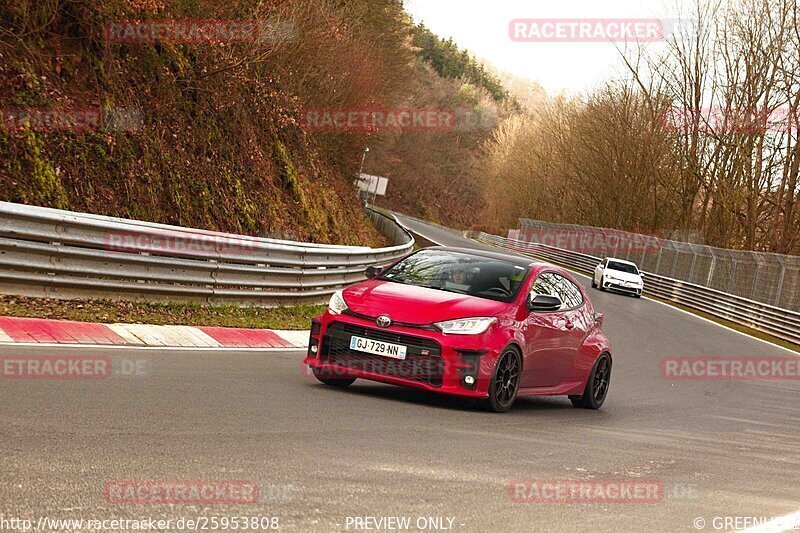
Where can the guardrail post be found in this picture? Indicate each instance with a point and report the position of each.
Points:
(691, 268)
(674, 265)
(711, 269)
(755, 281)
(780, 284)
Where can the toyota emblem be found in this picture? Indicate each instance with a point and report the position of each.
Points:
(384, 321)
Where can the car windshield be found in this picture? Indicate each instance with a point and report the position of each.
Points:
(462, 273)
(623, 267)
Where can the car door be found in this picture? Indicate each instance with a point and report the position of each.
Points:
(577, 324)
(546, 347)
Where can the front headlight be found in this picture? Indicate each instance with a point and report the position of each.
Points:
(466, 326)
(337, 305)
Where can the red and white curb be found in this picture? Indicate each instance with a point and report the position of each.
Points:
(15, 330)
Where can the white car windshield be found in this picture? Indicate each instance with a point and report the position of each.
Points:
(446, 270)
(623, 267)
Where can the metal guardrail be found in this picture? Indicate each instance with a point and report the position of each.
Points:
(781, 323)
(769, 278)
(62, 254)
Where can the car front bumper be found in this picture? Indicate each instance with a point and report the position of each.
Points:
(460, 365)
(622, 287)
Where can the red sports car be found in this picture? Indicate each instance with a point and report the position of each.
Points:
(469, 323)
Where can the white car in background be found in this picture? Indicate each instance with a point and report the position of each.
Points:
(618, 275)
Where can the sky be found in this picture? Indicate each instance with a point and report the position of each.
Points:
(482, 26)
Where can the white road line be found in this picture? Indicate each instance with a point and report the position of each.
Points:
(172, 336)
(122, 331)
(397, 219)
(200, 337)
(4, 337)
(297, 338)
(143, 332)
(778, 525)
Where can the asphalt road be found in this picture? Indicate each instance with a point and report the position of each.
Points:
(321, 455)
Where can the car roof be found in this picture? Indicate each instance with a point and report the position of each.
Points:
(621, 261)
(513, 259)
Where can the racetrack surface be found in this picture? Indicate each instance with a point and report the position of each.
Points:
(321, 455)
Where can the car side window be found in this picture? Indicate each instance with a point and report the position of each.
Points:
(546, 284)
(572, 294)
(553, 284)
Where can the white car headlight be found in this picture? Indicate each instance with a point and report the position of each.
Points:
(337, 304)
(466, 326)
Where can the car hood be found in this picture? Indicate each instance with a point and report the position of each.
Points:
(415, 305)
(624, 276)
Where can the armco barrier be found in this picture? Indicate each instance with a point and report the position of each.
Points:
(62, 254)
(781, 323)
(769, 278)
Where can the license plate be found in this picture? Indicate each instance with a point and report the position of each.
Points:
(386, 349)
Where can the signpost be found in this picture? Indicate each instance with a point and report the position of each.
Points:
(372, 185)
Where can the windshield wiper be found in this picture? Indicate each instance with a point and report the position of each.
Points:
(393, 280)
(444, 289)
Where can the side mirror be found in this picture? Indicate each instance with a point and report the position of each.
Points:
(600, 266)
(543, 302)
(598, 318)
(373, 271)
(641, 274)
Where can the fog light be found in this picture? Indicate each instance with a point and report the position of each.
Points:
(469, 380)
(313, 347)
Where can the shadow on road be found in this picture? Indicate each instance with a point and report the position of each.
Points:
(432, 399)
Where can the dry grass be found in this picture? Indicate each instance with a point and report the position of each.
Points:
(108, 311)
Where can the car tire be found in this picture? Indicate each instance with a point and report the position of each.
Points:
(595, 393)
(602, 281)
(637, 295)
(505, 381)
(333, 382)
(594, 285)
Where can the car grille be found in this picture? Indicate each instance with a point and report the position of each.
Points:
(622, 287)
(423, 362)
